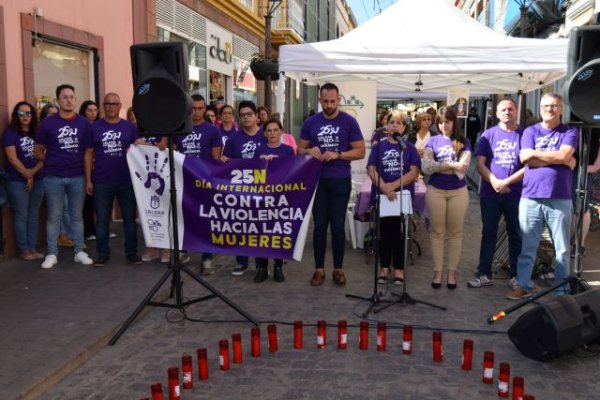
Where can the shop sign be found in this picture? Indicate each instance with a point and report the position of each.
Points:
(219, 49)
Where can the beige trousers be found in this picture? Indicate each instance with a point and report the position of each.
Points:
(447, 210)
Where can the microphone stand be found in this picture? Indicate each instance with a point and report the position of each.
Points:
(375, 298)
(403, 297)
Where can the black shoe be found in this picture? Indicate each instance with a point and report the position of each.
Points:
(134, 259)
(278, 274)
(100, 261)
(261, 275)
(435, 285)
(451, 286)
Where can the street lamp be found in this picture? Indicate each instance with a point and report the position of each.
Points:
(272, 5)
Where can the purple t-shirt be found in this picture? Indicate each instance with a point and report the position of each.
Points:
(501, 150)
(242, 145)
(65, 141)
(24, 148)
(283, 150)
(552, 181)
(388, 155)
(110, 143)
(227, 134)
(332, 135)
(444, 152)
(200, 142)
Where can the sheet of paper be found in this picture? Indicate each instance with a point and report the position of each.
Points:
(402, 205)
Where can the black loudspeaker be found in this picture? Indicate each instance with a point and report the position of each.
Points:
(551, 329)
(581, 93)
(160, 79)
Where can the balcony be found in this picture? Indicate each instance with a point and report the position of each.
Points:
(288, 23)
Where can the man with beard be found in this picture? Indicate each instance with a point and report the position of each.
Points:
(333, 137)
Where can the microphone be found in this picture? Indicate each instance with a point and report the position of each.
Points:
(398, 137)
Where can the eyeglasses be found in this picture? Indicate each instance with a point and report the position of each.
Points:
(550, 106)
(21, 113)
(112, 104)
(247, 114)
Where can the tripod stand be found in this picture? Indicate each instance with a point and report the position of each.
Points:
(175, 269)
(375, 298)
(403, 297)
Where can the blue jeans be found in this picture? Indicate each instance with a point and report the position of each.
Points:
(492, 208)
(329, 208)
(55, 188)
(556, 213)
(65, 222)
(27, 207)
(104, 195)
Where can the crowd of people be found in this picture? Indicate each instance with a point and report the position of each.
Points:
(76, 162)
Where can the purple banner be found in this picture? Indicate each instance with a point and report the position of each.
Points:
(253, 207)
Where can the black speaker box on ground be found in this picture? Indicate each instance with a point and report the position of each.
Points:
(559, 326)
(582, 96)
(160, 80)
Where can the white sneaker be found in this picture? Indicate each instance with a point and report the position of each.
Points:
(50, 261)
(83, 258)
(513, 283)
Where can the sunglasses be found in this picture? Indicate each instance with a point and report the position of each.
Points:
(23, 113)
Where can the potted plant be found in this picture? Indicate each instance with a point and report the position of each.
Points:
(262, 67)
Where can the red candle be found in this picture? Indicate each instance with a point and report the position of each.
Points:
(255, 342)
(407, 339)
(503, 379)
(467, 358)
(488, 367)
(363, 342)
(272, 331)
(298, 336)
(157, 391)
(187, 372)
(236, 340)
(173, 374)
(381, 336)
(202, 364)
(224, 354)
(342, 334)
(438, 354)
(518, 388)
(321, 334)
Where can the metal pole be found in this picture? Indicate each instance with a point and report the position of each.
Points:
(268, 19)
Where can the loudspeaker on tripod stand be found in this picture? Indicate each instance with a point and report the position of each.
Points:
(581, 94)
(160, 80)
(551, 329)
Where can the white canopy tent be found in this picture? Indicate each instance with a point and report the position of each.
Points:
(434, 40)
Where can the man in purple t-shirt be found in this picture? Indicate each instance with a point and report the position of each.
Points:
(244, 144)
(204, 142)
(501, 185)
(547, 151)
(333, 137)
(107, 177)
(60, 144)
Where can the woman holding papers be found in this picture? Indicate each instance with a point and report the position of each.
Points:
(393, 166)
(446, 159)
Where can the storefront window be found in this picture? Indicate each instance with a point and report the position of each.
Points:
(55, 63)
(196, 59)
(244, 83)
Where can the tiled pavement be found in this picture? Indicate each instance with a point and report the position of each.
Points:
(56, 325)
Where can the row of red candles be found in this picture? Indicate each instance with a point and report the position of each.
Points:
(342, 341)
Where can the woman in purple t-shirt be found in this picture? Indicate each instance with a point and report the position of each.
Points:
(384, 170)
(25, 188)
(273, 130)
(446, 159)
